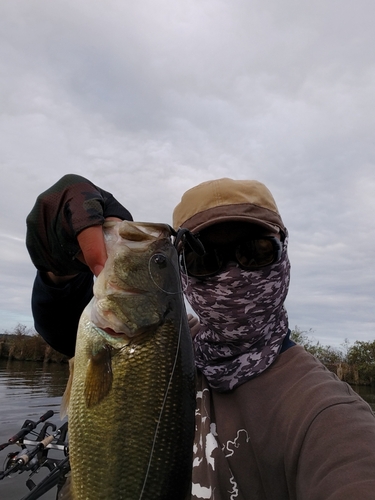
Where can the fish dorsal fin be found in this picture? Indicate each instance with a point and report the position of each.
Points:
(99, 376)
(64, 408)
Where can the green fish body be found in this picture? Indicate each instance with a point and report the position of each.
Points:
(132, 394)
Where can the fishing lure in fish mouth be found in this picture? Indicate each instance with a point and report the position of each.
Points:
(133, 368)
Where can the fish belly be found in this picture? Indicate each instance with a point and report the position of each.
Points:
(135, 444)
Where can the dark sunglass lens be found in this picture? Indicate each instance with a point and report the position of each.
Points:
(201, 266)
(256, 253)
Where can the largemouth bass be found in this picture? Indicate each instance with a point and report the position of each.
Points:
(132, 396)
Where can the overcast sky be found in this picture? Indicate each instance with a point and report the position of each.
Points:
(149, 98)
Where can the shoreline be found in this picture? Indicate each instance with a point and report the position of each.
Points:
(31, 347)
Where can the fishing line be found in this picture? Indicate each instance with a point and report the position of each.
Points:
(177, 273)
(162, 408)
(184, 282)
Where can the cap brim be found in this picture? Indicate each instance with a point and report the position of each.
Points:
(250, 220)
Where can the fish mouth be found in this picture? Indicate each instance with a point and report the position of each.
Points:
(124, 290)
(105, 319)
(113, 333)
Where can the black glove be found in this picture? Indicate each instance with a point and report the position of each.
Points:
(59, 214)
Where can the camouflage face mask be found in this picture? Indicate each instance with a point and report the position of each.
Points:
(243, 321)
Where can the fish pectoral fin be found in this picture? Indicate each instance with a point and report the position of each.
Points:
(99, 376)
(64, 408)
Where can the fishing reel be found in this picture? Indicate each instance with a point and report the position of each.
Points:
(12, 460)
(34, 455)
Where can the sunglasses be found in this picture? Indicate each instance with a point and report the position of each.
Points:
(250, 254)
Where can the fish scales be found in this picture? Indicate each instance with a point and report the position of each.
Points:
(132, 400)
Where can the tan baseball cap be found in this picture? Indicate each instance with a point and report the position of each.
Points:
(226, 199)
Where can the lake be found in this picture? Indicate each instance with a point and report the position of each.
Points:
(27, 391)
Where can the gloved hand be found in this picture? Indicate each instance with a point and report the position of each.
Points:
(63, 213)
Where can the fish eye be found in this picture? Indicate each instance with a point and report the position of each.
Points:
(160, 260)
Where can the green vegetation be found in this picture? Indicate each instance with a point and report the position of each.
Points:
(27, 345)
(354, 364)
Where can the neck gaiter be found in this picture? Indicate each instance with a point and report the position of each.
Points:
(243, 321)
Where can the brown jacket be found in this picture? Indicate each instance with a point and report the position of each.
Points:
(296, 432)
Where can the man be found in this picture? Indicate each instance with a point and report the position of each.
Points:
(272, 422)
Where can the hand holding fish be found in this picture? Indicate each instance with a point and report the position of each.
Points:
(64, 233)
(93, 251)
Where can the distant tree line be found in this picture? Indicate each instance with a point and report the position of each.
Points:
(354, 364)
(27, 345)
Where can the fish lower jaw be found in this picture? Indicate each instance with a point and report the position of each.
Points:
(118, 331)
(113, 333)
(107, 328)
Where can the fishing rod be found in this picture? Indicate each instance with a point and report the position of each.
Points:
(25, 456)
(34, 455)
(55, 478)
(27, 427)
(20, 461)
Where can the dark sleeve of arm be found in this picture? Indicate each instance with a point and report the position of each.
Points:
(57, 310)
(337, 460)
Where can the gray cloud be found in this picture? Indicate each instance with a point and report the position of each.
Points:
(149, 99)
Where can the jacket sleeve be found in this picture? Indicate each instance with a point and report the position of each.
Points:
(57, 310)
(59, 215)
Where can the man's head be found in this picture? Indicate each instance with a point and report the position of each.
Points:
(238, 286)
(236, 220)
